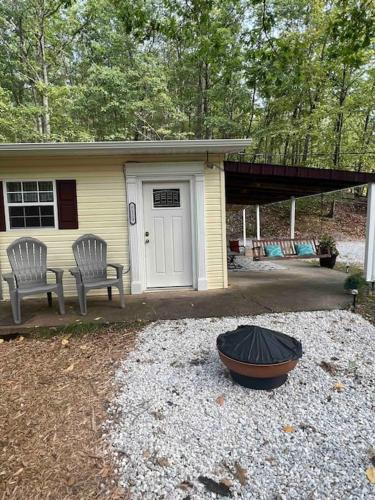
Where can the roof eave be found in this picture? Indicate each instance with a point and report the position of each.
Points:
(220, 146)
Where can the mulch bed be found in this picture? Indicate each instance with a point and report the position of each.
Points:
(54, 394)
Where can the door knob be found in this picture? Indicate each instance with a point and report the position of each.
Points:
(147, 234)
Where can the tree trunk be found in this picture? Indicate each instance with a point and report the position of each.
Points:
(45, 98)
(200, 104)
(339, 124)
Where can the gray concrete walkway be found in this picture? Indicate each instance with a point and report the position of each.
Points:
(301, 287)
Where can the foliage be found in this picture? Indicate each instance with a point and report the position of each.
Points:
(297, 77)
(329, 243)
(355, 281)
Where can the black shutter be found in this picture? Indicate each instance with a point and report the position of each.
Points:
(2, 209)
(67, 204)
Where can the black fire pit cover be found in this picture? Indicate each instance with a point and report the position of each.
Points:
(257, 345)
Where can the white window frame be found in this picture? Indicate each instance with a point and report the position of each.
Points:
(30, 204)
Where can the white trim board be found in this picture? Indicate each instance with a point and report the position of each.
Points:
(138, 173)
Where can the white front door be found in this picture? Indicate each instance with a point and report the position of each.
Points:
(167, 234)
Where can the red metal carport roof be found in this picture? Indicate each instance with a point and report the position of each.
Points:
(261, 183)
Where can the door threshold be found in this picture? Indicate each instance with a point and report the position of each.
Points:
(169, 289)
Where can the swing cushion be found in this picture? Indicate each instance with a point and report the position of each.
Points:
(273, 251)
(304, 249)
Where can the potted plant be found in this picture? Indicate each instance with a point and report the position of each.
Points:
(355, 281)
(327, 245)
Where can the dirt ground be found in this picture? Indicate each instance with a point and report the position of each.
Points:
(53, 398)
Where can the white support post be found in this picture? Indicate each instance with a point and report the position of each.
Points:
(258, 221)
(370, 235)
(292, 216)
(244, 228)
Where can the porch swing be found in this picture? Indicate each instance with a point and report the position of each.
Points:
(289, 248)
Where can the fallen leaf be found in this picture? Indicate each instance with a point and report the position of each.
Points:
(288, 428)
(18, 472)
(65, 342)
(328, 367)
(70, 368)
(226, 482)
(370, 473)
(215, 487)
(271, 460)
(162, 461)
(220, 400)
(157, 414)
(339, 387)
(20, 338)
(185, 485)
(240, 474)
(98, 318)
(83, 347)
(1, 341)
(146, 454)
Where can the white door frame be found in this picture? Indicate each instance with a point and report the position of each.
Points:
(138, 173)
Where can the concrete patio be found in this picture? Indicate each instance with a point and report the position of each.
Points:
(303, 286)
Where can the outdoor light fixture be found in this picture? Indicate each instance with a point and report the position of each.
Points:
(354, 293)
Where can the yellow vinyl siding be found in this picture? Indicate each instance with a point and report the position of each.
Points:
(101, 202)
(216, 257)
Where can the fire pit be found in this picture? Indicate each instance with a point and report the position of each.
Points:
(257, 357)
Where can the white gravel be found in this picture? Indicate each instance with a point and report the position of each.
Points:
(166, 426)
(351, 252)
(248, 264)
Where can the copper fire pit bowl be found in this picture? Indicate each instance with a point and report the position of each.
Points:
(258, 345)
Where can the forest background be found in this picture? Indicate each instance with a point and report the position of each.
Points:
(296, 76)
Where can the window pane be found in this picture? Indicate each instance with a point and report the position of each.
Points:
(46, 196)
(46, 210)
(48, 222)
(32, 211)
(14, 186)
(166, 198)
(30, 197)
(17, 222)
(14, 197)
(30, 186)
(32, 222)
(45, 186)
(16, 212)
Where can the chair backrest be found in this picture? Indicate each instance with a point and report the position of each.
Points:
(28, 260)
(90, 253)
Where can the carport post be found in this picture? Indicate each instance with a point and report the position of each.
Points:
(292, 216)
(244, 227)
(258, 221)
(370, 235)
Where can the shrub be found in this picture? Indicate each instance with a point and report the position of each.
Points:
(355, 281)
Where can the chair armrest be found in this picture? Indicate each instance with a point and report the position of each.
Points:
(119, 268)
(11, 280)
(58, 272)
(74, 271)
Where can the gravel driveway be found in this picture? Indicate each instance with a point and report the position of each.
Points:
(351, 252)
(178, 417)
